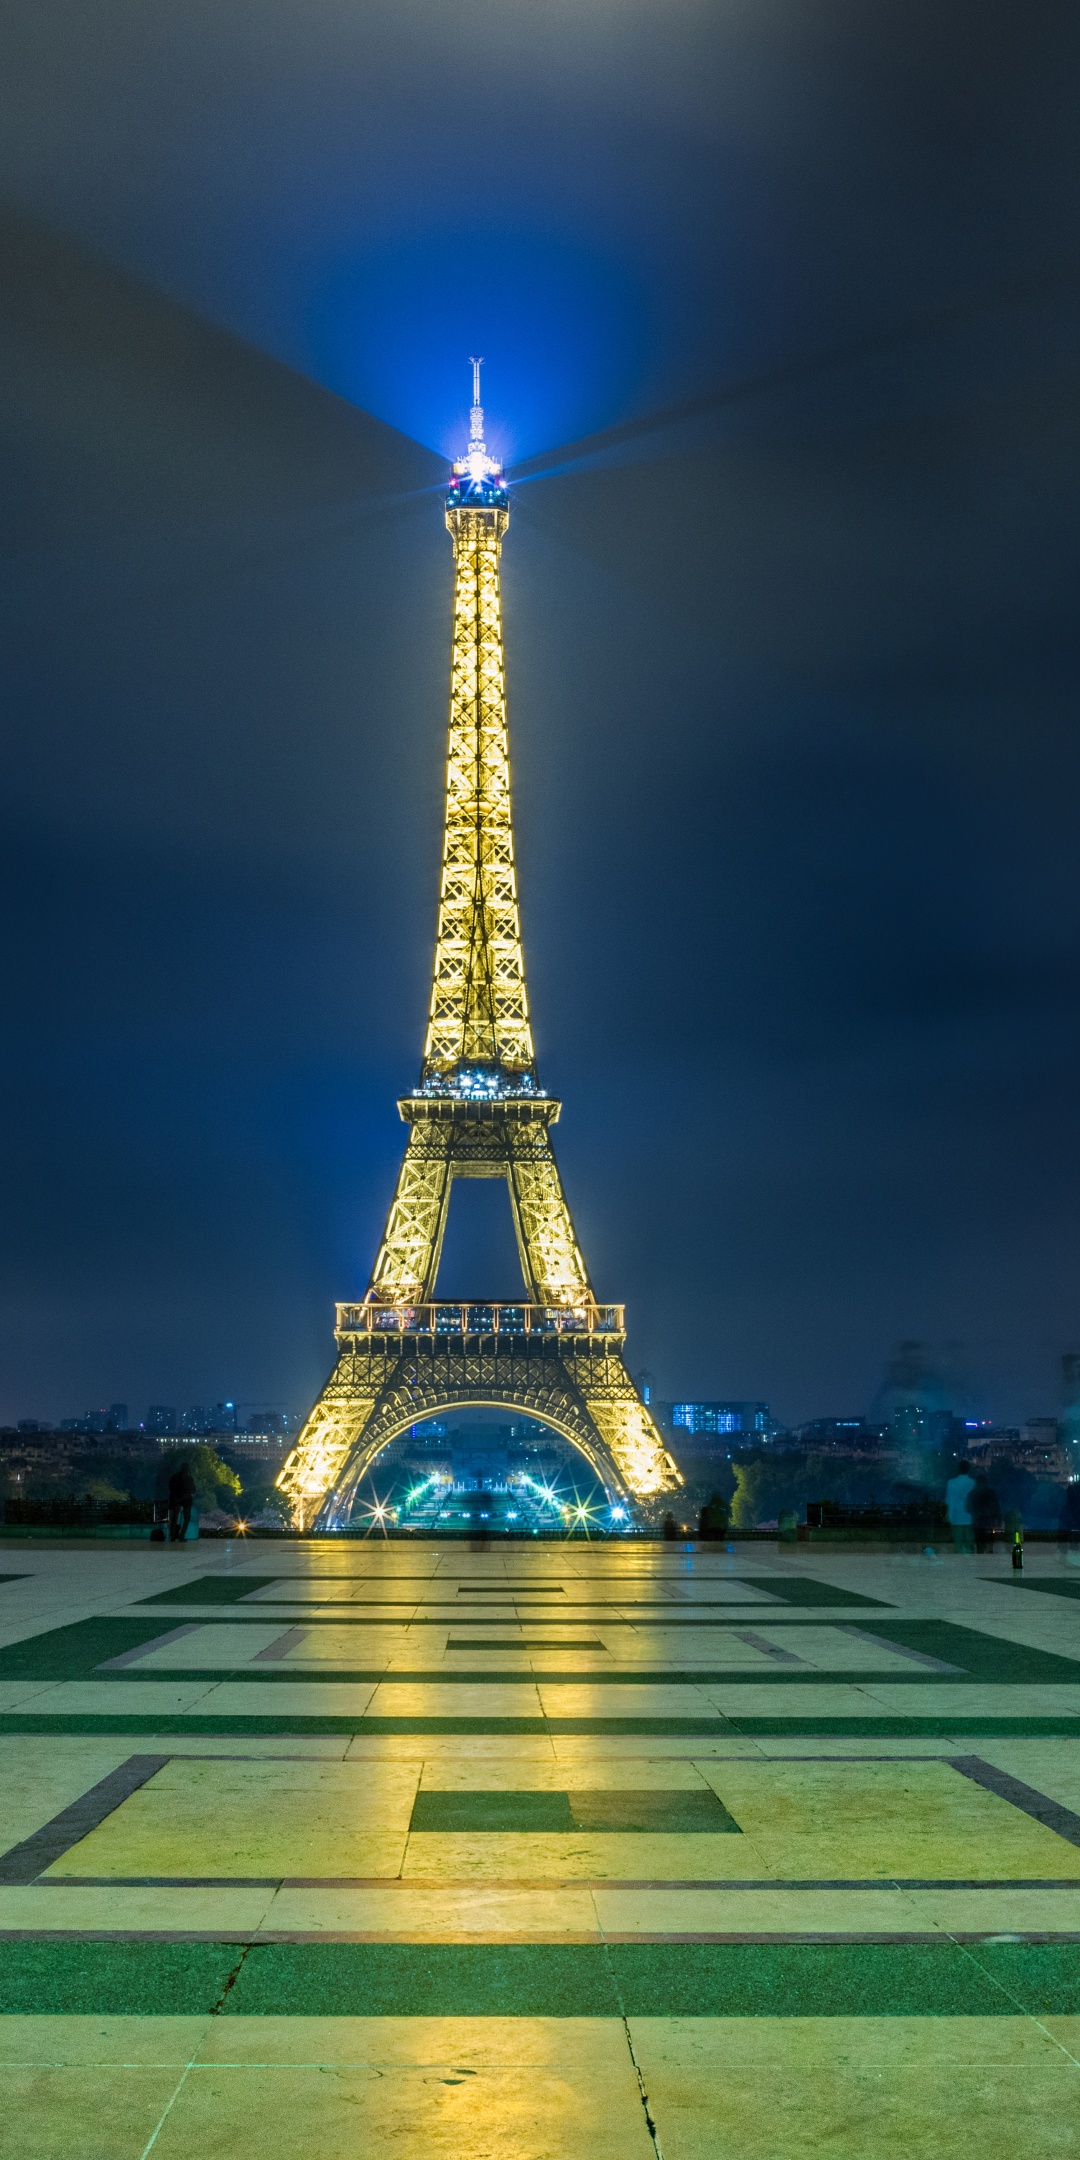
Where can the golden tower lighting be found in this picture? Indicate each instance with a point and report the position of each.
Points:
(478, 1111)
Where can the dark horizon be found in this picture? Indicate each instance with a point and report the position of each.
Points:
(780, 338)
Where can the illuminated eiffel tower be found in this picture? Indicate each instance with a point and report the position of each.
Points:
(478, 1111)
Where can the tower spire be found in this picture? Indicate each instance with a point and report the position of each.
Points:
(478, 1016)
(476, 462)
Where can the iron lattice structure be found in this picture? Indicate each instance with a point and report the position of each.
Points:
(478, 1111)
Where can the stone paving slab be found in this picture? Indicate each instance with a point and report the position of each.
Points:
(257, 1886)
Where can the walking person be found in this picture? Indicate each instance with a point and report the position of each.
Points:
(181, 1496)
(958, 1492)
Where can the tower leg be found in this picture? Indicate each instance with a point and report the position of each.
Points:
(408, 1259)
(333, 1432)
(550, 1255)
(629, 1433)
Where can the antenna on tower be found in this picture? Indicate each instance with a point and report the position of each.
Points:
(476, 418)
(476, 464)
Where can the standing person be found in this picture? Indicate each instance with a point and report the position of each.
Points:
(181, 1495)
(958, 1492)
(985, 1510)
(714, 1518)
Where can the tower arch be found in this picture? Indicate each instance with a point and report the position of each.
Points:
(337, 1513)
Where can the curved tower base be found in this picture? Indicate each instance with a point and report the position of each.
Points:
(463, 1357)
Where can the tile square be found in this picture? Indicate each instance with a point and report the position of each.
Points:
(268, 2112)
(493, 1810)
(694, 1812)
(454, 1700)
(857, 2089)
(83, 2109)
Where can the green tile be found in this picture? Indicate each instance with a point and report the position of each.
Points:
(73, 1652)
(468, 1811)
(654, 1810)
(216, 1590)
(1063, 1727)
(472, 1642)
(48, 1978)
(982, 1655)
(287, 1673)
(1061, 1586)
(804, 1980)
(334, 1979)
(265, 1726)
(804, 1590)
(935, 1979)
(424, 1980)
(1042, 1978)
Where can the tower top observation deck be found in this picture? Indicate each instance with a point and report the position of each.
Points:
(476, 482)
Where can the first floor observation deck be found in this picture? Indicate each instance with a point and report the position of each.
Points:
(472, 1318)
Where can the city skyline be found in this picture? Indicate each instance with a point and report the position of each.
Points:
(747, 1418)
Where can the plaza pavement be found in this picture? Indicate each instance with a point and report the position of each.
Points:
(548, 1850)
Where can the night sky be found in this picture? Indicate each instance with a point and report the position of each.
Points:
(780, 308)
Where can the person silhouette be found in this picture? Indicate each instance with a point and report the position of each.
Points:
(181, 1495)
(958, 1492)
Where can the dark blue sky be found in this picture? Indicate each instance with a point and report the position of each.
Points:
(793, 667)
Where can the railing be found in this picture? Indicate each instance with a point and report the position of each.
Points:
(72, 1513)
(449, 1317)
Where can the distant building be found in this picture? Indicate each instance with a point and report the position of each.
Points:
(744, 1420)
(220, 1419)
(1070, 1403)
(114, 1419)
(985, 1443)
(161, 1419)
(1043, 1448)
(853, 1435)
(1040, 1448)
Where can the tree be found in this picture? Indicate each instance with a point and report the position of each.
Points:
(216, 1486)
(764, 1486)
(105, 1495)
(265, 1500)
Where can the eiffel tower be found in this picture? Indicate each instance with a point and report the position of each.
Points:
(478, 1111)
